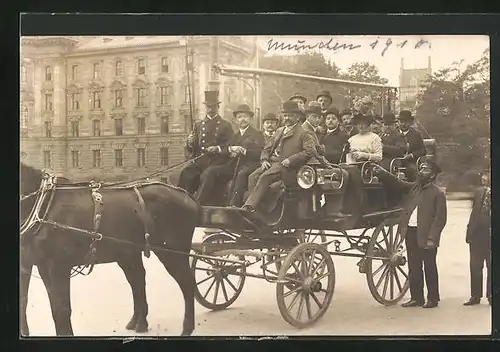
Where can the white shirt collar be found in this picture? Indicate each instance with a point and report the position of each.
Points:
(404, 133)
(242, 131)
(333, 130)
(269, 133)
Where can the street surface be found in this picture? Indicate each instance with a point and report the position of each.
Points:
(102, 302)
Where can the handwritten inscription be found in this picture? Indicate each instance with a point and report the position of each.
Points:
(335, 46)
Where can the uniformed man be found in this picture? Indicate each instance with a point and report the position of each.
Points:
(301, 101)
(270, 124)
(415, 147)
(394, 144)
(291, 148)
(208, 139)
(335, 140)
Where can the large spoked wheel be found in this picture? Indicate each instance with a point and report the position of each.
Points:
(218, 283)
(385, 264)
(306, 282)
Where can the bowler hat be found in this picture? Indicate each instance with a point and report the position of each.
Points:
(389, 118)
(291, 106)
(299, 96)
(332, 111)
(211, 98)
(405, 115)
(432, 165)
(270, 116)
(359, 118)
(243, 108)
(314, 107)
(325, 93)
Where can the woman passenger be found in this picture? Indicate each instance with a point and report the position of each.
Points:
(365, 145)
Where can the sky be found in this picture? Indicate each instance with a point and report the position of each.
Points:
(443, 50)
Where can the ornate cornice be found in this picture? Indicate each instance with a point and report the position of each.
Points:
(97, 114)
(140, 83)
(139, 114)
(165, 112)
(75, 115)
(118, 83)
(74, 87)
(96, 85)
(165, 144)
(117, 145)
(139, 145)
(118, 113)
(95, 146)
(47, 147)
(75, 147)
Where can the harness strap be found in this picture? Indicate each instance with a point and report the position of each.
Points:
(98, 206)
(147, 248)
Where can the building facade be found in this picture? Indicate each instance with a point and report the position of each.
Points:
(411, 84)
(118, 107)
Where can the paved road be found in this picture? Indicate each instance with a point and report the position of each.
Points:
(102, 303)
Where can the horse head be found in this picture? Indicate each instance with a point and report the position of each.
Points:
(30, 178)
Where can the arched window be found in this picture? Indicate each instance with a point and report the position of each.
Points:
(24, 116)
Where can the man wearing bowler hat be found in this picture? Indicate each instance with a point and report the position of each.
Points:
(415, 147)
(334, 141)
(207, 141)
(393, 141)
(325, 99)
(290, 149)
(270, 124)
(301, 102)
(421, 223)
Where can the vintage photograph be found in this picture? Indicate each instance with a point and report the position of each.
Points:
(255, 186)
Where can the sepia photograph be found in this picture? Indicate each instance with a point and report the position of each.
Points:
(255, 186)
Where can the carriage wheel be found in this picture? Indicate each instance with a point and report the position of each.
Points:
(306, 282)
(385, 264)
(218, 283)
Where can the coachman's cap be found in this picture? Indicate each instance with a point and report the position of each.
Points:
(360, 118)
(243, 108)
(298, 96)
(432, 165)
(291, 106)
(211, 98)
(332, 111)
(314, 107)
(406, 115)
(324, 93)
(389, 118)
(270, 117)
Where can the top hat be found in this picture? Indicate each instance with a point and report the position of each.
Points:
(243, 108)
(432, 165)
(325, 93)
(389, 118)
(298, 96)
(332, 110)
(314, 107)
(291, 106)
(270, 116)
(211, 98)
(359, 118)
(405, 115)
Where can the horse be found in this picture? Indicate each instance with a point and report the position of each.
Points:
(165, 218)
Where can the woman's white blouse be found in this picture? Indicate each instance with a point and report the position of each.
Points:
(369, 143)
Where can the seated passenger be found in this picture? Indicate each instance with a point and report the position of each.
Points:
(347, 126)
(290, 149)
(334, 140)
(270, 124)
(301, 101)
(393, 141)
(415, 146)
(365, 145)
(377, 125)
(246, 144)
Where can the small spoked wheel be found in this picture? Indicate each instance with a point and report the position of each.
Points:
(306, 282)
(385, 264)
(218, 283)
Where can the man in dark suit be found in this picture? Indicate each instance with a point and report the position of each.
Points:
(270, 124)
(208, 139)
(291, 148)
(326, 100)
(335, 140)
(393, 141)
(346, 123)
(423, 219)
(415, 147)
(301, 102)
(479, 239)
(314, 116)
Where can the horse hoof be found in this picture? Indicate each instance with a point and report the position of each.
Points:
(25, 332)
(141, 328)
(131, 324)
(187, 332)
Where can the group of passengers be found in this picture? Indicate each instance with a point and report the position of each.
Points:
(255, 160)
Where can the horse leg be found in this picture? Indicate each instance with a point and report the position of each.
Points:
(24, 278)
(179, 269)
(56, 279)
(133, 268)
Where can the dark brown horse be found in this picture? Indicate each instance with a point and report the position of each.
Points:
(171, 215)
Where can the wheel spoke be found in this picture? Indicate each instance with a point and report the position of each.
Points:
(308, 308)
(217, 285)
(321, 264)
(315, 299)
(384, 233)
(391, 283)
(386, 281)
(204, 280)
(294, 300)
(321, 277)
(404, 274)
(301, 306)
(382, 266)
(396, 241)
(292, 291)
(391, 238)
(400, 287)
(384, 273)
(231, 284)
(224, 292)
(298, 270)
(209, 288)
(311, 262)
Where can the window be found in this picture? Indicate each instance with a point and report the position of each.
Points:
(96, 158)
(164, 125)
(118, 98)
(48, 129)
(118, 157)
(97, 70)
(164, 65)
(119, 69)
(75, 128)
(47, 162)
(186, 93)
(24, 74)
(48, 73)
(141, 126)
(74, 72)
(75, 158)
(24, 116)
(96, 100)
(163, 156)
(48, 102)
(141, 157)
(96, 128)
(141, 67)
(75, 101)
(141, 97)
(119, 127)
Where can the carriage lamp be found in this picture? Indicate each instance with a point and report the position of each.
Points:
(306, 177)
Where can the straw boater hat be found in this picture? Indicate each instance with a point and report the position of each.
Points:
(211, 98)
(270, 117)
(405, 115)
(298, 96)
(291, 106)
(324, 93)
(243, 108)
